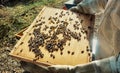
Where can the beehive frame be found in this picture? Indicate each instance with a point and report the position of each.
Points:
(75, 50)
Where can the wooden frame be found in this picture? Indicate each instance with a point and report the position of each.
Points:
(80, 50)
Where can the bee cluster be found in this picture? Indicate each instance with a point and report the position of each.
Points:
(35, 42)
(51, 41)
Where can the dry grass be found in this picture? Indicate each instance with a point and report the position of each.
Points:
(18, 15)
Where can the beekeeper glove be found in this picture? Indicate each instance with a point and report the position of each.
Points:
(33, 68)
(90, 6)
(108, 65)
(77, 1)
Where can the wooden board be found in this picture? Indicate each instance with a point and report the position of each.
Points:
(21, 33)
(58, 35)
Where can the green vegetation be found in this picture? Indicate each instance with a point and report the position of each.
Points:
(17, 15)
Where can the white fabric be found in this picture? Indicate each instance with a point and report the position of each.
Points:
(113, 64)
(92, 6)
(109, 30)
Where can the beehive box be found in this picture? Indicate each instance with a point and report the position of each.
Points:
(56, 36)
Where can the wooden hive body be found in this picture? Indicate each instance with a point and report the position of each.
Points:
(56, 36)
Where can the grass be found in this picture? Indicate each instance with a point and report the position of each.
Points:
(18, 15)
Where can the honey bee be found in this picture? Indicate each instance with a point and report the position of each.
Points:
(61, 53)
(81, 21)
(72, 53)
(21, 43)
(89, 54)
(56, 13)
(53, 56)
(21, 50)
(82, 52)
(68, 52)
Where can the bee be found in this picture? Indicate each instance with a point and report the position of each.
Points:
(50, 31)
(67, 13)
(79, 34)
(89, 54)
(15, 48)
(21, 43)
(61, 12)
(87, 50)
(61, 53)
(57, 21)
(76, 27)
(60, 16)
(76, 22)
(56, 13)
(30, 14)
(43, 22)
(36, 52)
(81, 21)
(50, 18)
(37, 58)
(67, 37)
(49, 47)
(82, 52)
(21, 50)
(54, 36)
(52, 28)
(82, 31)
(65, 24)
(61, 48)
(52, 22)
(68, 44)
(90, 50)
(41, 55)
(78, 39)
(30, 34)
(72, 53)
(55, 18)
(85, 37)
(87, 47)
(39, 24)
(86, 31)
(53, 56)
(68, 52)
(60, 44)
(46, 36)
(75, 36)
(89, 27)
(35, 26)
(46, 27)
(37, 21)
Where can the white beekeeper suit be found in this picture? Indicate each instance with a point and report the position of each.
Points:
(108, 37)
